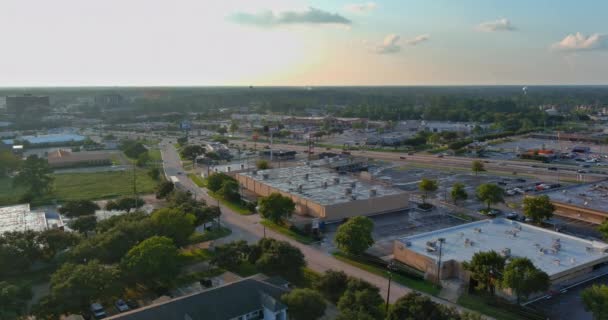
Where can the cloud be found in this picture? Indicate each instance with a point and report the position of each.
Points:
(419, 39)
(270, 19)
(389, 45)
(580, 42)
(360, 7)
(493, 26)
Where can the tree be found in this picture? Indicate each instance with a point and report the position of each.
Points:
(18, 251)
(427, 186)
(230, 191)
(78, 208)
(143, 159)
(486, 268)
(74, 286)
(304, 304)
(278, 258)
(477, 166)
(458, 192)
(174, 224)
(524, 278)
(154, 173)
(490, 194)
(132, 149)
(538, 208)
(192, 151)
(603, 229)
(215, 181)
(52, 241)
(182, 141)
(414, 306)
(154, 259)
(231, 255)
(35, 174)
(332, 285)
(595, 300)
(361, 300)
(262, 165)
(125, 204)
(164, 189)
(276, 207)
(234, 127)
(8, 162)
(84, 224)
(222, 130)
(13, 300)
(355, 236)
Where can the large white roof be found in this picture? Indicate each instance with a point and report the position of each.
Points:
(20, 218)
(523, 240)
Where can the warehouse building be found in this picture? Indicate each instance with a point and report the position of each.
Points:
(21, 218)
(563, 257)
(585, 202)
(319, 191)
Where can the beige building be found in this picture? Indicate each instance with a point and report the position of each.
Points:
(322, 193)
(66, 159)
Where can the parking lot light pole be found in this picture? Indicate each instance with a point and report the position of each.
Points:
(390, 279)
(441, 241)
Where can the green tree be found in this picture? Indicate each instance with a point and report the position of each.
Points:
(143, 159)
(595, 300)
(164, 189)
(414, 306)
(13, 300)
(262, 165)
(132, 149)
(230, 191)
(18, 251)
(304, 304)
(84, 224)
(487, 269)
(125, 204)
(53, 241)
(332, 285)
(276, 207)
(477, 166)
(427, 186)
(192, 151)
(154, 259)
(182, 141)
(361, 300)
(234, 127)
(458, 192)
(8, 163)
(222, 130)
(603, 229)
(215, 181)
(355, 235)
(538, 208)
(35, 174)
(174, 224)
(231, 255)
(524, 278)
(154, 173)
(78, 208)
(279, 258)
(74, 286)
(490, 194)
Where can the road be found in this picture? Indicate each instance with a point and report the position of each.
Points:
(249, 228)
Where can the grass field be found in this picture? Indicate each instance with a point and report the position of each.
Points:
(80, 186)
(481, 304)
(198, 180)
(417, 284)
(287, 232)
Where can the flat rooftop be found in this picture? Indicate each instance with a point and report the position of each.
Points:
(592, 196)
(320, 184)
(550, 251)
(21, 218)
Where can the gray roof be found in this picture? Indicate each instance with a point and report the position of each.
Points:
(221, 303)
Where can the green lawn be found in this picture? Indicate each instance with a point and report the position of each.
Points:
(239, 208)
(154, 155)
(197, 179)
(416, 284)
(287, 232)
(483, 305)
(209, 235)
(79, 186)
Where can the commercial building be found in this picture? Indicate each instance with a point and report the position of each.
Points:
(246, 299)
(280, 155)
(28, 105)
(21, 218)
(585, 202)
(58, 139)
(66, 159)
(318, 191)
(563, 257)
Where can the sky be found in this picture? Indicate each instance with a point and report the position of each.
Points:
(302, 43)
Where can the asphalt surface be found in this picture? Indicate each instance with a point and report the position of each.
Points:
(249, 228)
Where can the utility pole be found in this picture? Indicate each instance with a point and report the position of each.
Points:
(441, 241)
(388, 292)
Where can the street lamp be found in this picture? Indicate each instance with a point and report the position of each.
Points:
(441, 241)
(389, 267)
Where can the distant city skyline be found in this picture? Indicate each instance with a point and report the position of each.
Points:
(302, 43)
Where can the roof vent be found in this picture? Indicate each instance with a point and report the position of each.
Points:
(324, 184)
(265, 176)
(353, 184)
(336, 180)
(373, 192)
(348, 191)
(306, 176)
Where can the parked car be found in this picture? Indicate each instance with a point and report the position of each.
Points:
(501, 183)
(520, 180)
(98, 311)
(512, 215)
(121, 305)
(552, 168)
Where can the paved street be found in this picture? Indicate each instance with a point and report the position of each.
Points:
(248, 228)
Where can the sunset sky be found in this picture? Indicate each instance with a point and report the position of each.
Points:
(284, 42)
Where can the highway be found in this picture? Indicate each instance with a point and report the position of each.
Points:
(249, 228)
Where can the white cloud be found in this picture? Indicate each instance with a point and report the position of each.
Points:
(269, 18)
(419, 39)
(389, 45)
(360, 7)
(580, 42)
(498, 25)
